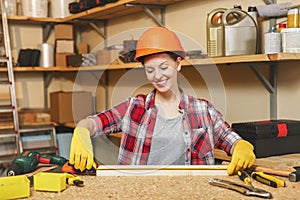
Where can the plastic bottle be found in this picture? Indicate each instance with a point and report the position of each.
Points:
(253, 12)
(240, 23)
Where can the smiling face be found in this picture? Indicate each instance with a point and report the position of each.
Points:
(161, 70)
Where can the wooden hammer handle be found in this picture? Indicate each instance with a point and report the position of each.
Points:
(278, 172)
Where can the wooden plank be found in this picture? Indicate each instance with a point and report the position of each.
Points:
(35, 20)
(186, 63)
(284, 56)
(228, 60)
(161, 170)
(116, 9)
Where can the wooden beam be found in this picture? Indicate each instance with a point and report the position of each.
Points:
(161, 170)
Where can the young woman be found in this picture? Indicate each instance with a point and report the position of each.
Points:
(166, 126)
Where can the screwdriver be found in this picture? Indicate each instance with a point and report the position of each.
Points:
(263, 178)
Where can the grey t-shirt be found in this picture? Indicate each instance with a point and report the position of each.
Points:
(167, 145)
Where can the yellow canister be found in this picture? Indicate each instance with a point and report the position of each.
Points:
(293, 18)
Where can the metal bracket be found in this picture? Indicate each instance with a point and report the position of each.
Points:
(270, 85)
(102, 33)
(47, 30)
(91, 22)
(147, 10)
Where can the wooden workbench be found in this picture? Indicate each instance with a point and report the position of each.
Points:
(161, 187)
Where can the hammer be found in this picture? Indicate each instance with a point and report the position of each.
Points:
(293, 175)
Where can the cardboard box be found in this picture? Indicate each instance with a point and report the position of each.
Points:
(106, 57)
(83, 48)
(29, 116)
(61, 59)
(70, 106)
(64, 46)
(63, 31)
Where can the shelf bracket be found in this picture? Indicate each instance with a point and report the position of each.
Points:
(91, 22)
(147, 7)
(98, 30)
(47, 28)
(270, 85)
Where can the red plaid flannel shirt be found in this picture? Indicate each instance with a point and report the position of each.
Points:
(203, 128)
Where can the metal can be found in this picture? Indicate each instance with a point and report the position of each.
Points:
(293, 18)
(272, 42)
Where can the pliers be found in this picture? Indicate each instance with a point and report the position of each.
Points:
(247, 190)
(74, 180)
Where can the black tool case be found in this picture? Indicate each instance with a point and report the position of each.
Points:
(271, 137)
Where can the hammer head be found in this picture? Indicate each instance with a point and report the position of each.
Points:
(295, 176)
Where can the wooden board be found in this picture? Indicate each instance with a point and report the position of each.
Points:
(161, 170)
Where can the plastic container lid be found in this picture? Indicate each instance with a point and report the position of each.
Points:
(282, 25)
(288, 30)
(272, 30)
(237, 6)
(252, 9)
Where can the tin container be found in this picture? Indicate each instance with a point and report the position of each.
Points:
(236, 24)
(293, 18)
(290, 40)
(215, 33)
(272, 42)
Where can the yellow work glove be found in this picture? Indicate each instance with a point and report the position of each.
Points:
(81, 152)
(242, 157)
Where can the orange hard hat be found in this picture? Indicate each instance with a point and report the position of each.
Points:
(157, 40)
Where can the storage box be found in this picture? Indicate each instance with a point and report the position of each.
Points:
(61, 59)
(70, 106)
(33, 115)
(50, 182)
(106, 57)
(290, 40)
(83, 48)
(82, 60)
(271, 137)
(64, 46)
(63, 32)
(14, 187)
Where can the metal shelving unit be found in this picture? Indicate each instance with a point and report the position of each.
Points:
(125, 7)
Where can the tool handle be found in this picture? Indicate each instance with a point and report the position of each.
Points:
(278, 172)
(267, 179)
(244, 176)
